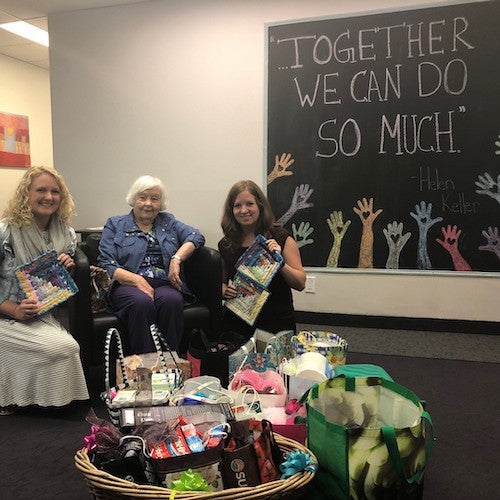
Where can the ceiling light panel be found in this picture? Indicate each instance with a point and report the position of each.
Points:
(28, 31)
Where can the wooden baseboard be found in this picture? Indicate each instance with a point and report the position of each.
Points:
(396, 323)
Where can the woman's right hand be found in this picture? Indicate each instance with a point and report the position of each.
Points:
(129, 278)
(141, 283)
(228, 291)
(26, 309)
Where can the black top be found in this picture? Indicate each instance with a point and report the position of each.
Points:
(277, 313)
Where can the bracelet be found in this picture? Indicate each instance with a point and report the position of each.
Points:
(177, 257)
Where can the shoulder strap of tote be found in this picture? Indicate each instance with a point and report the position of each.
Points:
(113, 332)
(392, 445)
(156, 335)
(158, 340)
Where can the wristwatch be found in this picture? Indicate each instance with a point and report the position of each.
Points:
(177, 257)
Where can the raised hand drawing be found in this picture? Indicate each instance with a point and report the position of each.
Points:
(396, 240)
(338, 228)
(299, 202)
(424, 220)
(367, 216)
(301, 234)
(281, 163)
(450, 243)
(492, 241)
(488, 186)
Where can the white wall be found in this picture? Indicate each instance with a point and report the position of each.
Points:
(25, 90)
(176, 89)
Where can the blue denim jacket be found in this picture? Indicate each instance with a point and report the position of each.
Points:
(123, 244)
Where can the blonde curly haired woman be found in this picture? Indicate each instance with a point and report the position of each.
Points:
(39, 360)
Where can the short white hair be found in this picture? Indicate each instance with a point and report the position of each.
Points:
(144, 183)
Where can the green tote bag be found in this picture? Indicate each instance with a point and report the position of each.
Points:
(369, 435)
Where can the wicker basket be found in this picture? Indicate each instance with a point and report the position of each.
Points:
(104, 486)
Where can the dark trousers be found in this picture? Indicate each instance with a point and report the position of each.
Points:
(136, 310)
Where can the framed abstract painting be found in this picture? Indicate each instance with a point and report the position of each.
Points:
(14, 141)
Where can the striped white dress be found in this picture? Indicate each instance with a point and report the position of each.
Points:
(39, 364)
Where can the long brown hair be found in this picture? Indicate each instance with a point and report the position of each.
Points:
(230, 227)
(18, 211)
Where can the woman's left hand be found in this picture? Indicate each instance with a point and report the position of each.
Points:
(174, 273)
(66, 260)
(273, 246)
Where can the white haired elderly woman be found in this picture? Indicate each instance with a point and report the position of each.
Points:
(143, 253)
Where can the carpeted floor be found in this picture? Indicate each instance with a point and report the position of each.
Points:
(424, 344)
(462, 397)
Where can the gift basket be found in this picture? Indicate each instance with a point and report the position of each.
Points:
(197, 446)
(195, 440)
(105, 486)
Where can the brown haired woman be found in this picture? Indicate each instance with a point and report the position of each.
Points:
(247, 213)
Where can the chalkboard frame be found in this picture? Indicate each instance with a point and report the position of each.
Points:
(271, 151)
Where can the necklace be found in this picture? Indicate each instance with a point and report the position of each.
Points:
(146, 228)
(46, 236)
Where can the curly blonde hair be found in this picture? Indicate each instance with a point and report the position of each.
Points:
(18, 211)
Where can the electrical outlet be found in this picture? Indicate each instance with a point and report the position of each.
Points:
(310, 284)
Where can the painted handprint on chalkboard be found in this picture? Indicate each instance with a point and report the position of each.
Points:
(301, 235)
(451, 234)
(299, 202)
(281, 163)
(338, 228)
(396, 240)
(424, 220)
(488, 186)
(367, 216)
(492, 241)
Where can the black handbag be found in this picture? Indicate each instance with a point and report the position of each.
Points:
(211, 357)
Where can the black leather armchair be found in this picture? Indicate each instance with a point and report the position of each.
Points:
(203, 275)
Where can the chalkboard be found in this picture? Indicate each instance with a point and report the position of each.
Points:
(383, 137)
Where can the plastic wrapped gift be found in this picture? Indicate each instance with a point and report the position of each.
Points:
(329, 344)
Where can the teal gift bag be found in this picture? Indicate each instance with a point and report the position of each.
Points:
(361, 370)
(369, 435)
